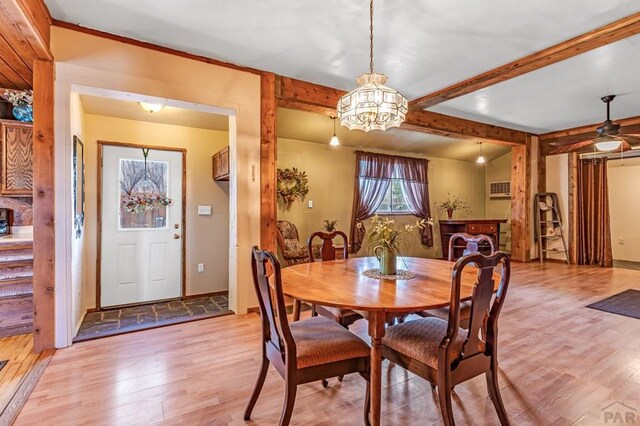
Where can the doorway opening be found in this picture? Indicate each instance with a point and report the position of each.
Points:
(151, 235)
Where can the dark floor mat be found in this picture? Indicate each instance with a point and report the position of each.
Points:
(626, 303)
(3, 363)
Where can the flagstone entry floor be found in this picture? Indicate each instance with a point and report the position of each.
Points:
(118, 321)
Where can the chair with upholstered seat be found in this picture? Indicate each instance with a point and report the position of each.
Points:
(292, 251)
(345, 317)
(472, 246)
(303, 351)
(444, 353)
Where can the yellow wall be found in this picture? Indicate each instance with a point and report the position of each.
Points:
(331, 173)
(207, 237)
(558, 182)
(86, 60)
(498, 170)
(624, 205)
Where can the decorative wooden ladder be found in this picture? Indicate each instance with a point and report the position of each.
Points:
(549, 226)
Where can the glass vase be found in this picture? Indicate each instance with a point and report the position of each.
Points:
(23, 112)
(387, 259)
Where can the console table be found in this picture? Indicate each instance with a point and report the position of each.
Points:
(490, 227)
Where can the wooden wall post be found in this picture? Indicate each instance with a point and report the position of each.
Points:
(268, 145)
(573, 208)
(43, 207)
(520, 201)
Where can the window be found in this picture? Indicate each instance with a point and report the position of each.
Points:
(393, 202)
(143, 194)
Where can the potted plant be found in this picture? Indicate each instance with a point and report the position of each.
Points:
(385, 240)
(453, 203)
(330, 226)
(22, 101)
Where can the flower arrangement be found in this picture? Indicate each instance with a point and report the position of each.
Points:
(330, 226)
(292, 185)
(453, 203)
(19, 97)
(387, 233)
(144, 202)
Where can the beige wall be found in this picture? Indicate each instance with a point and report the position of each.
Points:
(558, 182)
(79, 304)
(624, 205)
(498, 170)
(207, 237)
(85, 60)
(331, 172)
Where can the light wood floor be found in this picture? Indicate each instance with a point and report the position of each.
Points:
(18, 350)
(559, 363)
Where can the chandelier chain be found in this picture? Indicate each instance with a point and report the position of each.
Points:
(371, 36)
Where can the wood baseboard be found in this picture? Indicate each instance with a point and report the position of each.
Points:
(211, 294)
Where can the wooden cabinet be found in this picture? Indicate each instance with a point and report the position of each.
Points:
(221, 164)
(17, 159)
(490, 227)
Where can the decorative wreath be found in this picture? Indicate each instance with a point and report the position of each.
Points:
(145, 202)
(292, 185)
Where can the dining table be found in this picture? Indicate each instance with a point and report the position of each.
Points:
(342, 284)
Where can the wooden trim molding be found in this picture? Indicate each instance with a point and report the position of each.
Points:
(268, 147)
(573, 208)
(43, 207)
(615, 31)
(520, 202)
(305, 96)
(183, 288)
(151, 46)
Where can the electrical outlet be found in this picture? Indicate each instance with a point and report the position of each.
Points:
(200, 267)
(621, 241)
(204, 210)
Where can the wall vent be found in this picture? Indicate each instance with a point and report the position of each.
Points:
(500, 189)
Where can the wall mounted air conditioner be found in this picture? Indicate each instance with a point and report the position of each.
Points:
(501, 189)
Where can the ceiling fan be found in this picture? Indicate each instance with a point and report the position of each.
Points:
(608, 135)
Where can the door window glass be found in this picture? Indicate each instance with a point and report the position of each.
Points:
(143, 194)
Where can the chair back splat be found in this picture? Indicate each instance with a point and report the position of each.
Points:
(327, 251)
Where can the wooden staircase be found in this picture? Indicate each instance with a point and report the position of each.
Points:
(16, 269)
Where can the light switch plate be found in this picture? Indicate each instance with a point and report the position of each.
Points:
(204, 210)
(200, 267)
(310, 204)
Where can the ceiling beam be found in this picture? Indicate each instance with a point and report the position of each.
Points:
(618, 30)
(305, 96)
(571, 139)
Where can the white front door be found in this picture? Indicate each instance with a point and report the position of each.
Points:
(141, 247)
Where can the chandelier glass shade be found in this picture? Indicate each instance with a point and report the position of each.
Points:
(372, 106)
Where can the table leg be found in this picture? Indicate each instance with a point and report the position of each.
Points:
(296, 309)
(376, 332)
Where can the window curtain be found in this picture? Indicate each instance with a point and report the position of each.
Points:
(412, 173)
(372, 180)
(594, 229)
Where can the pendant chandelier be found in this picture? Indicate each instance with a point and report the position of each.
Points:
(372, 106)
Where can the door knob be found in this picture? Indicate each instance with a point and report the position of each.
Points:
(176, 226)
(176, 236)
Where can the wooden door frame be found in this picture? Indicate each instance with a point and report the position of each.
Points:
(101, 145)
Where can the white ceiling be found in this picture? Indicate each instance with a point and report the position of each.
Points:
(306, 126)
(422, 45)
(110, 107)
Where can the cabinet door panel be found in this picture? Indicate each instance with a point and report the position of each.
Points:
(17, 160)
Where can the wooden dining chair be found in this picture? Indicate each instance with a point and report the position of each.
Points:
(303, 351)
(472, 243)
(344, 317)
(444, 353)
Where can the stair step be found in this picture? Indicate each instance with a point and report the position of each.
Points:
(15, 246)
(16, 254)
(16, 272)
(15, 263)
(16, 287)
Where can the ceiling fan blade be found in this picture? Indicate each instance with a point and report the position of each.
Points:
(632, 140)
(570, 147)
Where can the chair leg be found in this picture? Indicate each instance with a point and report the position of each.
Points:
(314, 312)
(367, 404)
(494, 395)
(325, 383)
(444, 397)
(289, 400)
(296, 310)
(257, 388)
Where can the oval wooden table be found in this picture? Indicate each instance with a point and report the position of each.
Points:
(340, 284)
